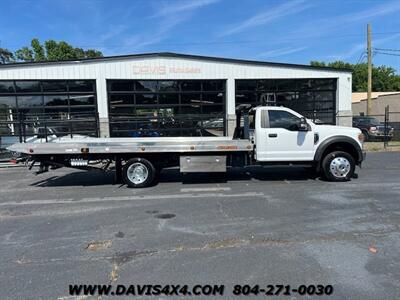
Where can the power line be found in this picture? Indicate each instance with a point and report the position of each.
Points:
(385, 53)
(392, 50)
(226, 42)
(361, 58)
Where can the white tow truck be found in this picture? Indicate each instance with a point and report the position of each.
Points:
(263, 135)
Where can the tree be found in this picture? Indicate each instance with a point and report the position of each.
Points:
(38, 50)
(53, 50)
(24, 54)
(6, 56)
(91, 53)
(384, 78)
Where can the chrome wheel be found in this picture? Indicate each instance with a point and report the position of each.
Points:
(340, 167)
(137, 173)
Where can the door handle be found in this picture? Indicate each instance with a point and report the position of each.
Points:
(273, 135)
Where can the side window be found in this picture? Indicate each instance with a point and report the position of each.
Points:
(283, 119)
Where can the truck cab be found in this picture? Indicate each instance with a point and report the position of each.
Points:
(283, 135)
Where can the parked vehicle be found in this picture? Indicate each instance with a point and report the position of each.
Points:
(372, 128)
(269, 135)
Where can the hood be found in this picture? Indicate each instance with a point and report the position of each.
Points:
(337, 129)
(327, 131)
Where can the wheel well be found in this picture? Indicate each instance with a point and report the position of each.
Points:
(341, 146)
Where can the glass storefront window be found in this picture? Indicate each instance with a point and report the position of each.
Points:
(59, 113)
(8, 114)
(168, 86)
(323, 84)
(145, 99)
(81, 86)
(57, 100)
(213, 85)
(36, 102)
(191, 85)
(122, 85)
(6, 87)
(190, 99)
(324, 96)
(146, 85)
(54, 86)
(122, 110)
(286, 97)
(165, 107)
(81, 99)
(190, 109)
(246, 85)
(8, 102)
(306, 96)
(168, 99)
(266, 85)
(29, 101)
(28, 86)
(211, 109)
(246, 98)
(118, 99)
(213, 98)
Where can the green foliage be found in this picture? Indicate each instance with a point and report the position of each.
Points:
(50, 50)
(6, 56)
(384, 78)
(38, 50)
(24, 54)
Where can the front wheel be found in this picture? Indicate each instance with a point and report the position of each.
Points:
(138, 172)
(338, 166)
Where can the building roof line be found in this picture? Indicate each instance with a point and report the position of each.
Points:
(175, 55)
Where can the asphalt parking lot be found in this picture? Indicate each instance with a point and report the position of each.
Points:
(263, 226)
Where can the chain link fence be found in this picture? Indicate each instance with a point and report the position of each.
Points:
(381, 131)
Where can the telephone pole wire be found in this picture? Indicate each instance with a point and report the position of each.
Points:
(369, 53)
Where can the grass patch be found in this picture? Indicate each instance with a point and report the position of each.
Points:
(379, 146)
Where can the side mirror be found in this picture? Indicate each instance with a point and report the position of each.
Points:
(303, 125)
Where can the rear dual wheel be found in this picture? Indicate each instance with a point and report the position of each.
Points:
(138, 173)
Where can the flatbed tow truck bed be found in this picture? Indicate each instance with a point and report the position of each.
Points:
(133, 145)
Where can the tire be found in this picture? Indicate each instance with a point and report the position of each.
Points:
(138, 173)
(338, 166)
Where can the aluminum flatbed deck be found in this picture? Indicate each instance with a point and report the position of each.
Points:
(77, 145)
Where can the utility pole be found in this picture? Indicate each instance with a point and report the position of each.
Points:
(369, 101)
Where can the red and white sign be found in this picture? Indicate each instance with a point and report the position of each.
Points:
(162, 70)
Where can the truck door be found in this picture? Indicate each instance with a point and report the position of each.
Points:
(278, 137)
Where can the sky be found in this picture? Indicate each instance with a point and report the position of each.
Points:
(293, 31)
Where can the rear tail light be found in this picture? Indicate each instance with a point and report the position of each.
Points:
(361, 137)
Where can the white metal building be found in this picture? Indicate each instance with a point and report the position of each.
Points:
(168, 94)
